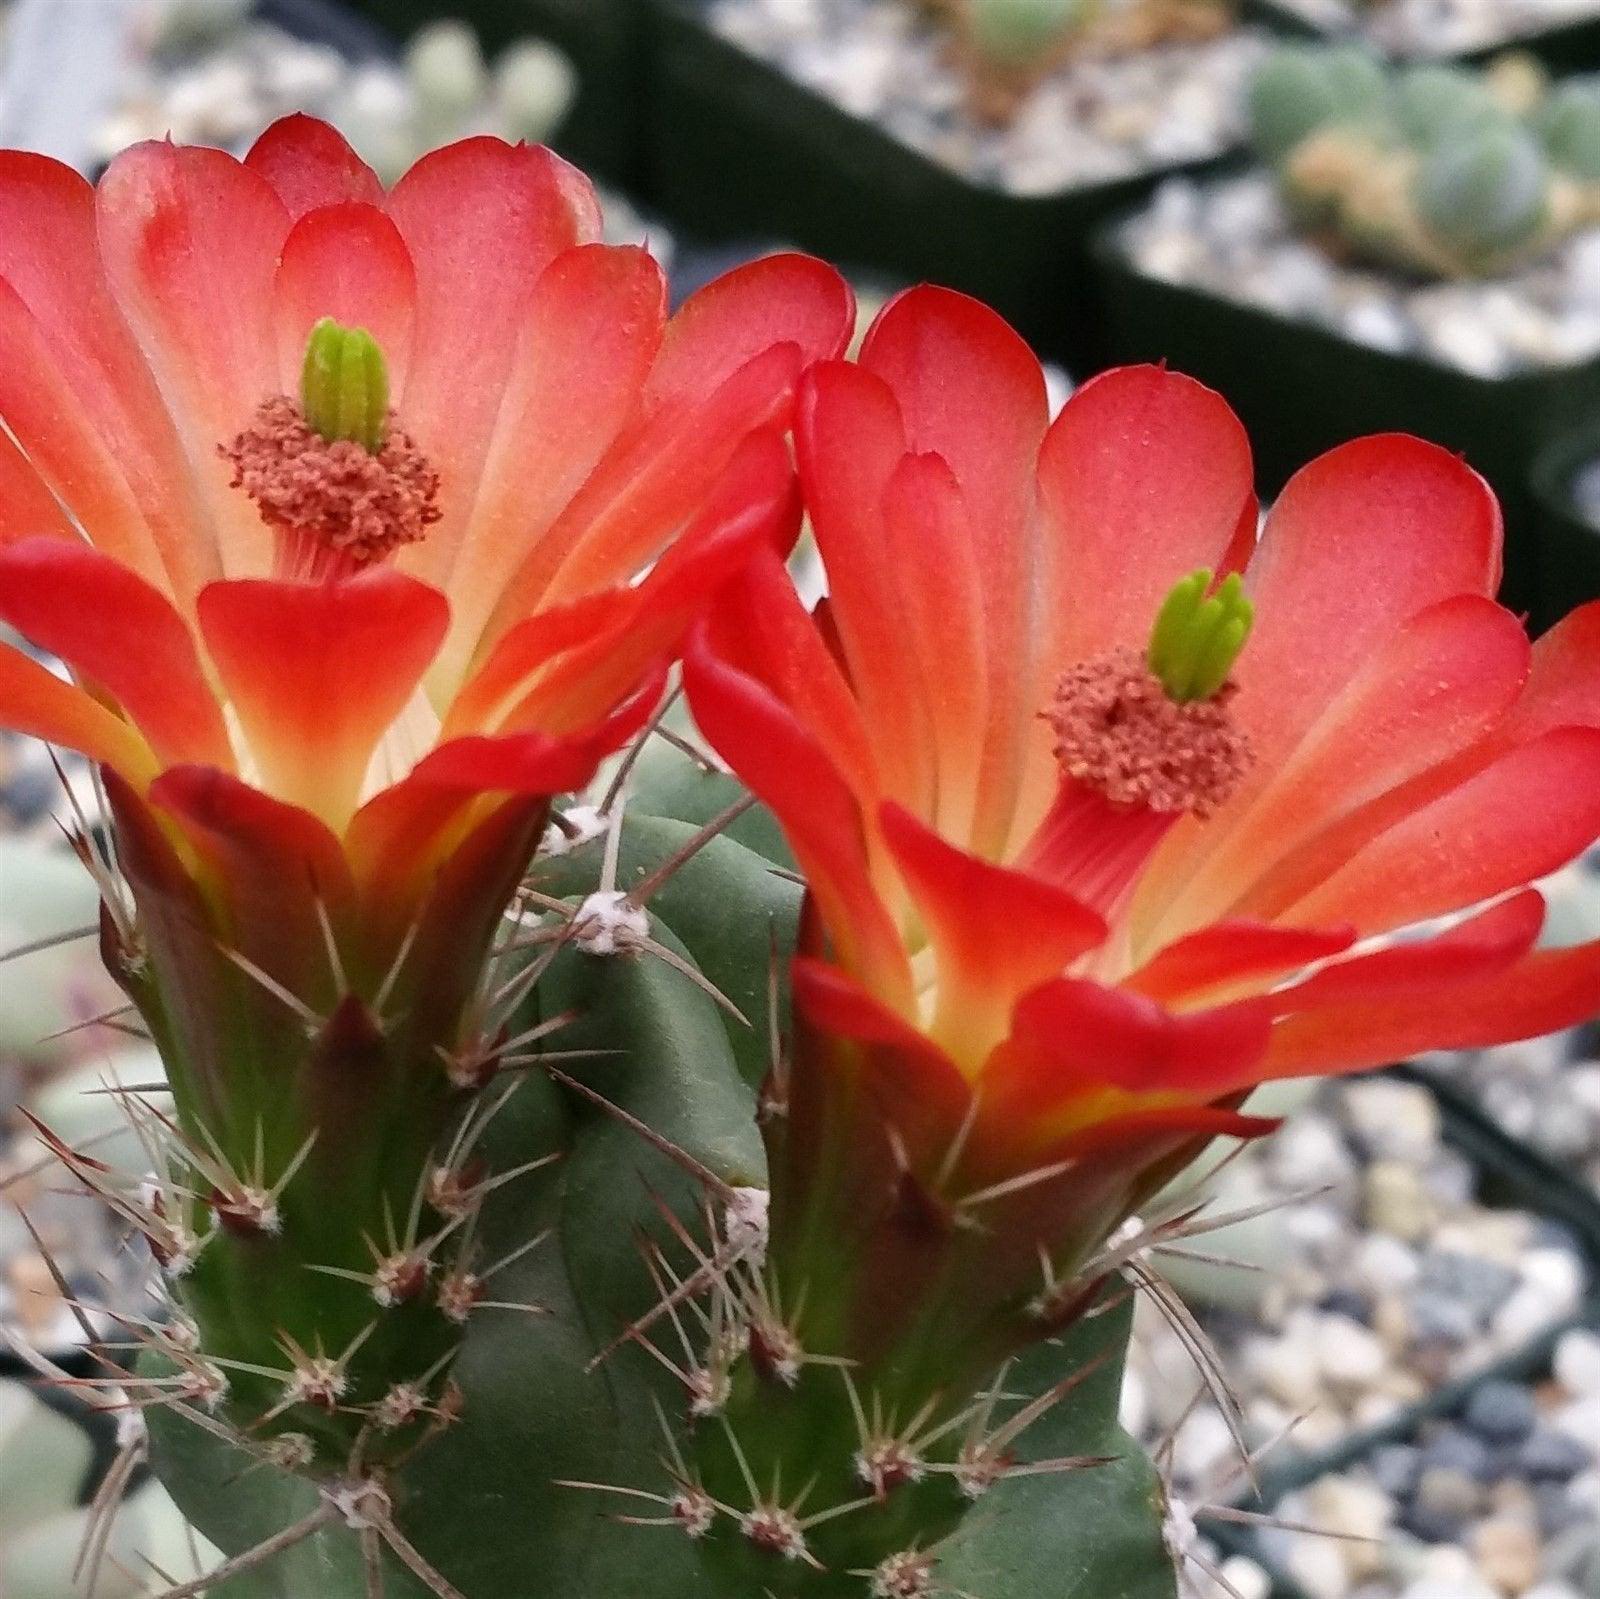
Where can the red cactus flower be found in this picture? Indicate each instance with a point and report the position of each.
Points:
(335, 502)
(1081, 877)
(365, 522)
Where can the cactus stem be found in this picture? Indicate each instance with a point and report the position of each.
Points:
(257, 1555)
(639, 894)
(698, 1170)
(777, 1531)
(313, 1022)
(906, 1575)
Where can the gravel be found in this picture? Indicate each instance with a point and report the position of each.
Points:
(1091, 121)
(1235, 239)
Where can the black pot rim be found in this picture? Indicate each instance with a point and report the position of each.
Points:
(1113, 260)
(691, 13)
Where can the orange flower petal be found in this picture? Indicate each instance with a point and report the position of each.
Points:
(123, 636)
(591, 331)
(77, 391)
(1530, 812)
(1474, 950)
(190, 239)
(349, 262)
(1221, 961)
(318, 672)
(33, 700)
(997, 933)
(1543, 993)
(1358, 543)
(481, 219)
(309, 164)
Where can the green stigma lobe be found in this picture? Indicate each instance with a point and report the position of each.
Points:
(344, 385)
(1196, 639)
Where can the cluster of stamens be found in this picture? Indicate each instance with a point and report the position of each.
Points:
(332, 503)
(1118, 732)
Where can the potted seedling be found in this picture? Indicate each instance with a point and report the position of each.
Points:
(971, 142)
(1414, 247)
(602, 39)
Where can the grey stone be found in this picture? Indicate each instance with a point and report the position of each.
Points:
(1501, 1412)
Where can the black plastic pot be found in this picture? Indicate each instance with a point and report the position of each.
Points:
(737, 149)
(1563, 47)
(1570, 542)
(604, 39)
(1300, 389)
(324, 22)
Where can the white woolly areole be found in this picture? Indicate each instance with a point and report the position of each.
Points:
(744, 1222)
(584, 822)
(360, 1501)
(131, 1430)
(1178, 1531)
(607, 924)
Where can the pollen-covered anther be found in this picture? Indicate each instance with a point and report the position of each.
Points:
(774, 1529)
(906, 1575)
(1118, 732)
(336, 506)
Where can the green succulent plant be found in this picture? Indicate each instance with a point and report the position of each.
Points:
(1434, 102)
(1569, 124)
(1301, 88)
(1442, 170)
(1014, 32)
(1486, 194)
(634, 1399)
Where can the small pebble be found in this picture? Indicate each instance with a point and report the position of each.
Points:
(1502, 1412)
